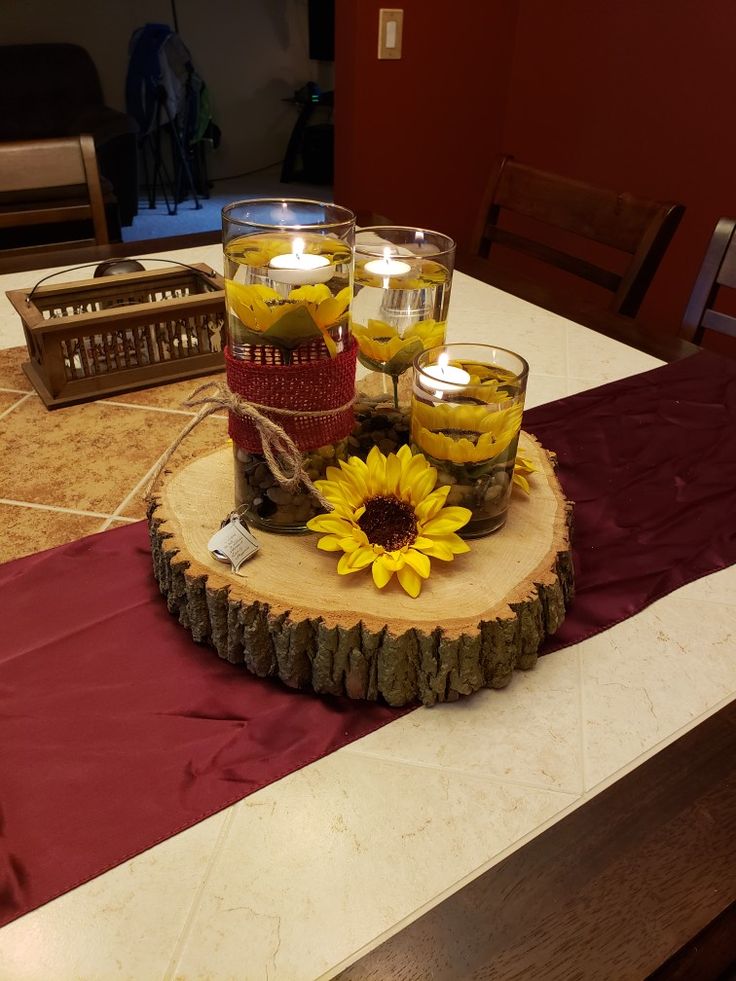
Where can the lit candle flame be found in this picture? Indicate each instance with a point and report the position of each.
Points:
(443, 360)
(387, 256)
(298, 247)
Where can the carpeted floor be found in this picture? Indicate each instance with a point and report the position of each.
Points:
(157, 223)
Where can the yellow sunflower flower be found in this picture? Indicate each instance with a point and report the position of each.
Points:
(388, 515)
(382, 348)
(463, 433)
(522, 470)
(267, 318)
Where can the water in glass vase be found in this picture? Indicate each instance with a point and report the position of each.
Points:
(396, 317)
(287, 291)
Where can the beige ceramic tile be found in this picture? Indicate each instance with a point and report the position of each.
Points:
(483, 314)
(321, 863)
(528, 732)
(167, 396)
(591, 355)
(544, 388)
(720, 587)
(11, 373)
(86, 457)
(209, 435)
(26, 530)
(122, 926)
(652, 675)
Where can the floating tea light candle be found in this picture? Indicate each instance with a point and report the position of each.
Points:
(300, 268)
(446, 377)
(387, 266)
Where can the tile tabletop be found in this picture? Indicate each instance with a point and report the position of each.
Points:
(301, 878)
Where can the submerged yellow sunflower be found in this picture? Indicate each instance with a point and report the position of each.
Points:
(384, 349)
(463, 433)
(259, 250)
(387, 515)
(267, 318)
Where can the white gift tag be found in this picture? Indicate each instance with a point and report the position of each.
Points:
(234, 544)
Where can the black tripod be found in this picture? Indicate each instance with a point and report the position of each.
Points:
(182, 183)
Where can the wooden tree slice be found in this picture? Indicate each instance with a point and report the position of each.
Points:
(289, 615)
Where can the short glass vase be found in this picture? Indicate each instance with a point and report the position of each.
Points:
(467, 404)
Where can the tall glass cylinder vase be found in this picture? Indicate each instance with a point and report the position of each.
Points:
(403, 278)
(402, 287)
(288, 280)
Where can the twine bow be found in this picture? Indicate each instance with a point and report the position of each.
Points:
(282, 455)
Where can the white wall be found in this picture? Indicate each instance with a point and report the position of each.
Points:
(251, 53)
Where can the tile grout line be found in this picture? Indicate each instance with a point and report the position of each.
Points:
(178, 950)
(117, 513)
(15, 405)
(155, 408)
(15, 391)
(57, 508)
(494, 778)
(147, 408)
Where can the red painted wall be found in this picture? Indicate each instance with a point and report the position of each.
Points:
(414, 137)
(632, 95)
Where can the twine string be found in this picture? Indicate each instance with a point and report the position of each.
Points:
(283, 456)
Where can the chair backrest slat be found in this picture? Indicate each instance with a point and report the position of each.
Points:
(27, 165)
(636, 227)
(718, 270)
(31, 165)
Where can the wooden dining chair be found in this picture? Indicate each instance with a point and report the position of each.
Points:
(637, 229)
(52, 181)
(718, 271)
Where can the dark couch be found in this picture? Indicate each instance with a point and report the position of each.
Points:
(54, 90)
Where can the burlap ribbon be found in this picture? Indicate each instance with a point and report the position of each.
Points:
(282, 455)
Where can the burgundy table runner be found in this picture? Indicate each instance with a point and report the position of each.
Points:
(117, 731)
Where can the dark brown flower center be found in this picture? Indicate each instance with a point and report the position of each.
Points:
(461, 434)
(389, 522)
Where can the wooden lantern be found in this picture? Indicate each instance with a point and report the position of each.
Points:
(100, 337)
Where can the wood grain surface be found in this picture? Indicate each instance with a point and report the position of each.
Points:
(614, 891)
(289, 614)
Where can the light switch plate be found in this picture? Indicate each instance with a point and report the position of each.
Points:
(390, 29)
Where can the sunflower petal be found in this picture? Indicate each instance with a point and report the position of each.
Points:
(330, 543)
(521, 481)
(410, 580)
(434, 548)
(418, 562)
(330, 524)
(432, 504)
(393, 474)
(361, 557)
(423, 484)
(449, 519)
(381, 573)
(344, 567)
(444, 547)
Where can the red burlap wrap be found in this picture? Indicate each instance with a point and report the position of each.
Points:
(326, 384)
